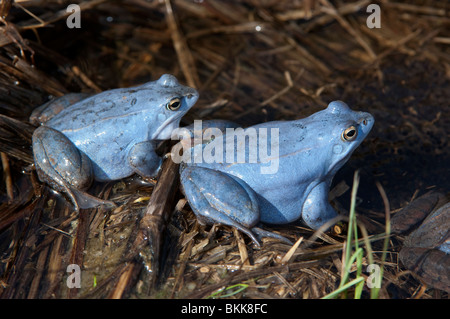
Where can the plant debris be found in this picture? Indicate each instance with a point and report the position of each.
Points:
(252, 61)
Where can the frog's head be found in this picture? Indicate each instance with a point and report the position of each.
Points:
(345, 130)
(171, 101)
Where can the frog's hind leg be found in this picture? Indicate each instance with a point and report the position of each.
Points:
(217, 197)
(60, 164)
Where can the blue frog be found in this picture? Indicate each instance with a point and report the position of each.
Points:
(291, 183)
(107, 136)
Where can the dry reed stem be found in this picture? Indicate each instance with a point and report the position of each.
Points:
(123, 282)
(7, 176)
(243, 253)
(180, 45)
(156, 216)
(330, 9)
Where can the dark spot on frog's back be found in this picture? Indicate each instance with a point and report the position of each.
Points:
(79, 117)
(89, 104)
(133, 101)
(111, 104)
(107, 106)
(299, 126)
(124, 122)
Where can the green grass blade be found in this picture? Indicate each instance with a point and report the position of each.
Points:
(344, 288)
(218, 294)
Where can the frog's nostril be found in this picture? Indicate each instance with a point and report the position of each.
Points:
(363, 121)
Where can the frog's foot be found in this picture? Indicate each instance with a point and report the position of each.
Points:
(217, 197)
(265, 233)
(434, 232)
(61, 165)
(220, 217)
(316, 209)
(83, 200)
(426, 250)
(430, 265)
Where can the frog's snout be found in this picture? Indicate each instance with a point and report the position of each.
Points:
(191, 97)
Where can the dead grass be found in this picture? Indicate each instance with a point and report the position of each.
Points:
(252, 61)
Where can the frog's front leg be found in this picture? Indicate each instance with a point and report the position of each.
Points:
(60, 164)
(143, 159)
(316, 209)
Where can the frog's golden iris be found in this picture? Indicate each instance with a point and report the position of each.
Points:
(350, 134)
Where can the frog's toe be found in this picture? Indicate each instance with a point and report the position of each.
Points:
(211, 215)
(83, 200)
(265, 233)
(217, 197)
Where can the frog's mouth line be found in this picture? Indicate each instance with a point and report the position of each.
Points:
(165, 130)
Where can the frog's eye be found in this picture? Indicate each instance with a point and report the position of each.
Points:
(174, 104)
(349, 134)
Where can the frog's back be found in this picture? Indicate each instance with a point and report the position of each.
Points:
(109, 106)
(105, 126)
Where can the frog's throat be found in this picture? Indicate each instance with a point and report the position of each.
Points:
(171, 121)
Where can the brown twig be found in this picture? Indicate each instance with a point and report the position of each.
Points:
(123, 282)
(153, 224)
(415, 8)
(79, 244)
(185, 57)
(7, 175)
